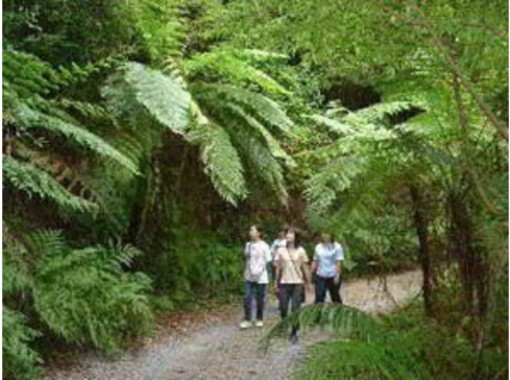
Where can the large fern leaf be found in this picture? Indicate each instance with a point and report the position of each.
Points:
(230, 67)
(222, 162)
(163, 97)
(34, 182)
(31, 118)
(261, 106)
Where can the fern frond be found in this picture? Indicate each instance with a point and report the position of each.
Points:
(84, 295)
(378, 113)
(30, 118)
(262, 107)
(362, 360)
(160, 27)
(222, 162)
(350, 322)
(25, 177)
(334, 125)
(160, 95)
(337, 176)
(271, 142)
(230, 67)
(19, 359)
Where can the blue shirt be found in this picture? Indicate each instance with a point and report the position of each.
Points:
(327, 256)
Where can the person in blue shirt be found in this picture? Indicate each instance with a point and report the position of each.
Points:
(327, 266)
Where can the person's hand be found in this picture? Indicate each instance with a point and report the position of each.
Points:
(337, 279)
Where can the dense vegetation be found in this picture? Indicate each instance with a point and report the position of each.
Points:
(141, 138)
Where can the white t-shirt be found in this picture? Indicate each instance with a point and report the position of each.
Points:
(257, 255)
(327, 256)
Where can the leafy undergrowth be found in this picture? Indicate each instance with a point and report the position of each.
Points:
(404, 345)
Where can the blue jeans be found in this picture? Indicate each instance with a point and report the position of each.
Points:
(254, 289)
(327, 283)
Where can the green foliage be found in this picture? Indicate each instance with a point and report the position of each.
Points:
(84, 295)
(400, 346)
(162, 96)
(197, 265)
(20, 361)
(35, 182)
(158, 24)
(222, 162)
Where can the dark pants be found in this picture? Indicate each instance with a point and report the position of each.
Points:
(322, 284)
(293, 294)
(254, 289)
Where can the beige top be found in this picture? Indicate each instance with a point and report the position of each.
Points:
(291, 263)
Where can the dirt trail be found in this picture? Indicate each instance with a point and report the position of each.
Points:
(220, 350)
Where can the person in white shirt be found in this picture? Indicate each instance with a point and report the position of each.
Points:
(327, 266)
(257, 255)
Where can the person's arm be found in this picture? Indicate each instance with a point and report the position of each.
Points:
(339, 259)
(305, 267)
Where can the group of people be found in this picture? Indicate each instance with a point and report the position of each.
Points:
(286, 265)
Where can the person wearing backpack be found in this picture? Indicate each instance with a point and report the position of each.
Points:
(327, 266)
(292, 271)
(258, 256)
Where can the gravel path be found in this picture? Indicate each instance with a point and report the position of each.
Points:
(220, 351)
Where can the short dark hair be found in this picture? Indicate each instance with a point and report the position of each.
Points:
(330, 234)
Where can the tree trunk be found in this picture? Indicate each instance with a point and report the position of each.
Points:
(421, 225)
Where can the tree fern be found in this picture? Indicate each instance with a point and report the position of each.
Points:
(222, 162)
(30, 118)
(160, 95)
(35, 182)
(271, 142)
(264, 108)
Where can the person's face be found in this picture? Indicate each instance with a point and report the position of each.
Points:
(254, 233)
(326, 238)
(290, 237)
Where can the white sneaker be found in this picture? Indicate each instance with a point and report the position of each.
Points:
(259, 324)
(245, 325)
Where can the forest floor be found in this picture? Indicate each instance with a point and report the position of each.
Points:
(210, 346)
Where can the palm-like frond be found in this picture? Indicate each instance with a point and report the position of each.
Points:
(34, 182)
(365, 348)
(350, 322)
(259, 105)
(272, 143)
(161, 96)
(30, 118)
(230, 67)
(221, 159)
